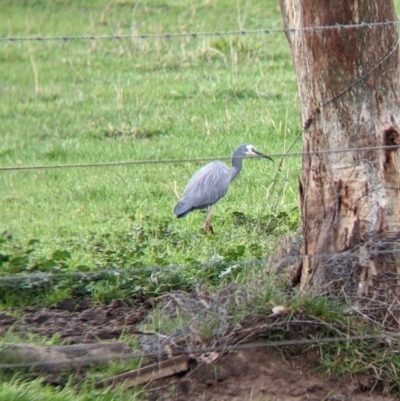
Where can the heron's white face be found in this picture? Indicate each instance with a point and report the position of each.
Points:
(252, 151)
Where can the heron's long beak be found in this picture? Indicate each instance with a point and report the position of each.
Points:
(262, 155)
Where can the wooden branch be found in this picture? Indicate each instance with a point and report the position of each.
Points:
(170, 367)
(58, 358)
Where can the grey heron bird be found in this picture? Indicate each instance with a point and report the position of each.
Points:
(209, 184)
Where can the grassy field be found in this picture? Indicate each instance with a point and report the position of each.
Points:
(109, 101)
(82, 101)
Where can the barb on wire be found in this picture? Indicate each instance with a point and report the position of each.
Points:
(170, 35)
(196, 160)
(196, 351)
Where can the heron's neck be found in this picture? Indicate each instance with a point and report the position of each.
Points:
(236, 166)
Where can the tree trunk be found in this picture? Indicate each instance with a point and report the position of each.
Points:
(348, 85)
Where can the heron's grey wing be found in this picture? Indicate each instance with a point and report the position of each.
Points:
(207, 186)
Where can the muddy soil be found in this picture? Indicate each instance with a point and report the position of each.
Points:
(76, 323)
(267, 375)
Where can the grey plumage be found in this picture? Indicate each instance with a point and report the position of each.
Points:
(205, 188)
(211, 183)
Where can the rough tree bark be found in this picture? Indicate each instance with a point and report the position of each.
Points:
(348, 85)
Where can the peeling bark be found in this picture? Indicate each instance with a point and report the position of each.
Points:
(348, 85)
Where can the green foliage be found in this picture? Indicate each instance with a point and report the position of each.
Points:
(322, 307)
(362, 357)
(138, 100)
(135, 263)
(105, 101)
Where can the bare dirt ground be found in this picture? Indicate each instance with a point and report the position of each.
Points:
(76, 323)
(266, 375)
(253, 374)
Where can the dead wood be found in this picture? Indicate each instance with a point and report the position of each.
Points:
(60, 358)
(170, 367)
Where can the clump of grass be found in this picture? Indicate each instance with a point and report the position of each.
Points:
(151, 256)
(36, 391)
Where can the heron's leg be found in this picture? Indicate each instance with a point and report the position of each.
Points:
(207, 225)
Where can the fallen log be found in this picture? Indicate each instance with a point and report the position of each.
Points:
(170, 367)
(60, 358)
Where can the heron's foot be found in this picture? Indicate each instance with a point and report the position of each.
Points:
(208, 227)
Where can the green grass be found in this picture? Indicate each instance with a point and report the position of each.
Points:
(35, 391)
(109, 101)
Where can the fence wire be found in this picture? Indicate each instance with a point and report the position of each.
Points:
(194, 160)
(171, 35)
(387, 336)
(174, 268)
(307, 123)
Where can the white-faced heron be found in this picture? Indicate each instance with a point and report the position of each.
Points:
(209, 184)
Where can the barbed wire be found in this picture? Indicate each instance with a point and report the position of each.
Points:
(279, 155)
(118, 271)
(79, 274)
(170, 35)
(194, 160)
(230, 265)
(386, 336)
